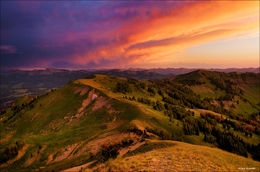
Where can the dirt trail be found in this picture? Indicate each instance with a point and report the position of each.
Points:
(35, 157)
(94, 145)
(123, 151)
(66, 152)
(7, 137)
(20, 155)
(78, 168)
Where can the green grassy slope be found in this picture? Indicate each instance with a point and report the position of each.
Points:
(71, 118)
(91, 119)
(239, 92)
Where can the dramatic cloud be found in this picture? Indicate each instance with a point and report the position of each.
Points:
(87, 34)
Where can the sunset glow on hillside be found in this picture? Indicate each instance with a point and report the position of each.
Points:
(110, 34)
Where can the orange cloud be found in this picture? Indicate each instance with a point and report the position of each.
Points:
(162, 34)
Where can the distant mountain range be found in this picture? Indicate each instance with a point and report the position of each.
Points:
(178, 71)
(17, 83)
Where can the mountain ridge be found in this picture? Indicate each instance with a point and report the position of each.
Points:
(17, 83)
(92, 120)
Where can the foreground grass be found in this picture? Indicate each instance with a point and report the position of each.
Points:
(179, 156)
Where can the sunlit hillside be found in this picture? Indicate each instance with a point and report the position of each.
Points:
(88, 122)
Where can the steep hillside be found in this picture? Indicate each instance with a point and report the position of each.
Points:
(88, 121)
(236, 92)
(67, 126)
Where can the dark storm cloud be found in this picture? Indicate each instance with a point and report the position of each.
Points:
(52, 33)
(36, 28)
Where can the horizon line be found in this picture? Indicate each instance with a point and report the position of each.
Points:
(131, 68)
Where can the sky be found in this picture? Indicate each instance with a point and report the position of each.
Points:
(129, 34)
